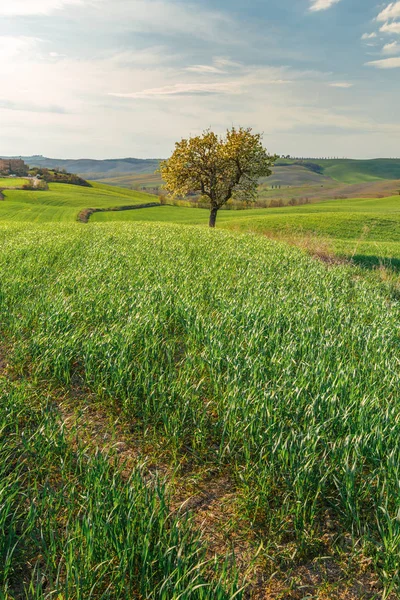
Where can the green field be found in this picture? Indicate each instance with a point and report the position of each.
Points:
(367, 230)
(62, 202)
(184, 412)
(254, 379)
(12, 182)
(354, 171)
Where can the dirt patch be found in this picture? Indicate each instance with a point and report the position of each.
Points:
(321, 580)
(92, 425)
(3, 361)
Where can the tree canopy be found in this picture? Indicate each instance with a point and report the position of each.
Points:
(218, 167)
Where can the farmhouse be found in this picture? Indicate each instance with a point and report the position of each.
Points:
(13, 166)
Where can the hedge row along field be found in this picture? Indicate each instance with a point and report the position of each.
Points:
(245, 353)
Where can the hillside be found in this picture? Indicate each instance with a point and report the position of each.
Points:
(363, 229)
(352, 171)
(366, 231)
(263, 421)
(63, 202)
(292, 172)
(92, 169)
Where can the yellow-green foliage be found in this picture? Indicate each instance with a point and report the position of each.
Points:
(218, 168)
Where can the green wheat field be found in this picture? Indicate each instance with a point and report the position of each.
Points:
(195, 414)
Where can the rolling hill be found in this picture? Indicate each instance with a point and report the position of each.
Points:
(288, 172)
(92, 169)
(364, 229)
(62, 202)
(351, 171)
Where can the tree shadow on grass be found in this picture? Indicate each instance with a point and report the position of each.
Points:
(374, 262)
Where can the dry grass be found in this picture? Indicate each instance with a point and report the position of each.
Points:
(311, 243)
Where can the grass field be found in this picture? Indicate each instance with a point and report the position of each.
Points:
(62, 202)
(354, 171)
(366, 230)
(351, 171)
(238, 366)
(12, 182)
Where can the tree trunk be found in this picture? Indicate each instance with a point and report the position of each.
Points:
(213, 216)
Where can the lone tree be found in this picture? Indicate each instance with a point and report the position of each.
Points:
(218, 168)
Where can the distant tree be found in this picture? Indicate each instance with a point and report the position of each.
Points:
(218, 168)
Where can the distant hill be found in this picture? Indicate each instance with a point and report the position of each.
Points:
(350, 171)
(136, 172)
(95, 169)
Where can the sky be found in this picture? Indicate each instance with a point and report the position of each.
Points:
(118, 78)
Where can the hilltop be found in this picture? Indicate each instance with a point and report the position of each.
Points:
(91, 168)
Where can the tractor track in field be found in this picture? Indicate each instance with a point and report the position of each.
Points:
(209, 496)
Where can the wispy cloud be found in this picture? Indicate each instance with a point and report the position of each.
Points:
(219, 66)
(317, 5)
(385, 63)
(369, 36)
(391, 27)
(392, 11)
(206, 69)
(341, 84)
(184, 89)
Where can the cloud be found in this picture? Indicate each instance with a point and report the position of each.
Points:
(184, 89)
(57, 55)
(226, 62)
(207, 69)
(242, 80)
(219, 66)
(341, 84)
(393, 48)
(15, 8)
(392, 11)
(391, 27)
(369, 36)
(386, 63)
(317, 5)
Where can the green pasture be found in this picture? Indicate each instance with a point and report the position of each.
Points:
(226, 352)
(367, 230)
(12, 182)
(356, 171)
(62, 202)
